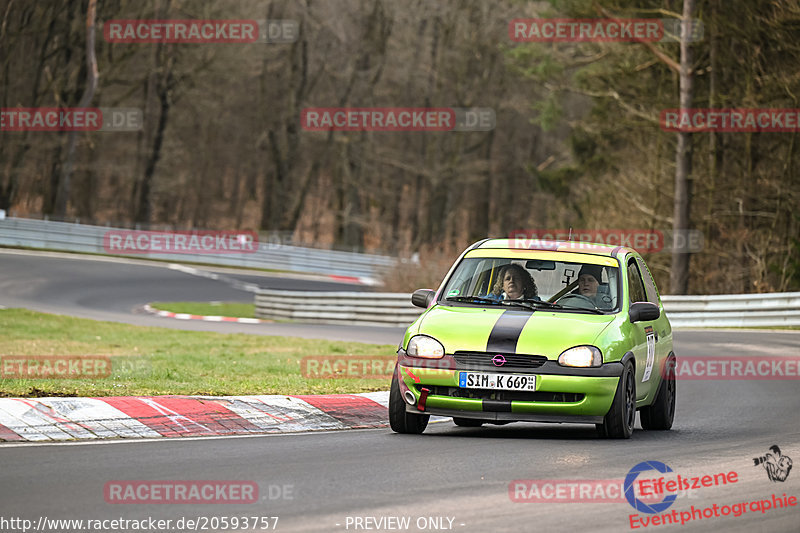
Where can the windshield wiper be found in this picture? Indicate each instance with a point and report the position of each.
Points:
(595, 310)
(552, 305)
(530, 303)
(527, 303)
(472, 299)
(519, 303)
(535, 302)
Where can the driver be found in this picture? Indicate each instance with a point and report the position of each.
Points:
(589, 279)
(514, 283)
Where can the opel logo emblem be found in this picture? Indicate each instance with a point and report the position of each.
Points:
(498, 360)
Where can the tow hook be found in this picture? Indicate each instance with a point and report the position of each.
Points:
(422, 397)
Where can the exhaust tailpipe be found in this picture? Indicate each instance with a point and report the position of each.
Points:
(409, 397)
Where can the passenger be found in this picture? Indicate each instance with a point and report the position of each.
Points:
(513, 283)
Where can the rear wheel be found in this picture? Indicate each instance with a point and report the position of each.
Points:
(467, 422)
(618, 422)
(659, 415)
(399, 420)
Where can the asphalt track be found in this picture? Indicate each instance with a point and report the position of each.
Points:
(116, 290)
(457, 473)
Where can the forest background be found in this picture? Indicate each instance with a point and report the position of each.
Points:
(577, 141)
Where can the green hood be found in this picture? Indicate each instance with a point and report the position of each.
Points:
(541, 333)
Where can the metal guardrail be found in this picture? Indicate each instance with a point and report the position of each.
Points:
(371, 309)
(386, 309)
(395, 309)
(64, 236)
(733, 310)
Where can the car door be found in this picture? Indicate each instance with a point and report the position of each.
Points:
(663, 331)
(643, 335)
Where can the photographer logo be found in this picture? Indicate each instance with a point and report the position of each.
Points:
(777, 466)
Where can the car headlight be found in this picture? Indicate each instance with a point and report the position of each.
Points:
(424, 346)
(581, 356)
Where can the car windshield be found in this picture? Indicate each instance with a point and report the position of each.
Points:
(534, 284)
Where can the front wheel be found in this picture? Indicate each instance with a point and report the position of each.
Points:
(618, 422)
(399, 420)
(660, 414)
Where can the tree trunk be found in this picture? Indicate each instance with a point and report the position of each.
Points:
(714, 149)
(62, 196)
(481, 201)
(144, 212)
(158, 99)
(279, 195)
(679, 275)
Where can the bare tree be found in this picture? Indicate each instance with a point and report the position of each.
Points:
(62, 195)
(679, 275)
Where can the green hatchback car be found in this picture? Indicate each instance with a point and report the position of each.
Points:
(555, 332)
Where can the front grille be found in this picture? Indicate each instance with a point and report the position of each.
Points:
(489, 394)
(483, 361)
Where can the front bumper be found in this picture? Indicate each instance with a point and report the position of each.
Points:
(580, 395)
(509, 417)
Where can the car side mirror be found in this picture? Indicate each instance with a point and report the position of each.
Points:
(643, 312)
(422, 297)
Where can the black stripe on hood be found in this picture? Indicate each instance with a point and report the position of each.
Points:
(506, 331)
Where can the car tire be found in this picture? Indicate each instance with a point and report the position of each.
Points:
(618, 422)
(467, 422)
(399, 420)
(659, 415)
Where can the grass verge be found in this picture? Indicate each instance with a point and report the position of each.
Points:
(154, 361)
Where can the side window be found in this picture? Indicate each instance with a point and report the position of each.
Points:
(635, 284)
(649, 284)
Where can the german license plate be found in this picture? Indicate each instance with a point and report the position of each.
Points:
(485, 380)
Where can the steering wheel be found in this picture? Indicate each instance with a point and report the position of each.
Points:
(580, 297)
(562, 292)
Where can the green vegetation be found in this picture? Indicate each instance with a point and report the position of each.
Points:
(151, 361)
(578, 139)
(618, 164)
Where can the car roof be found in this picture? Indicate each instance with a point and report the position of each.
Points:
(554, 246)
